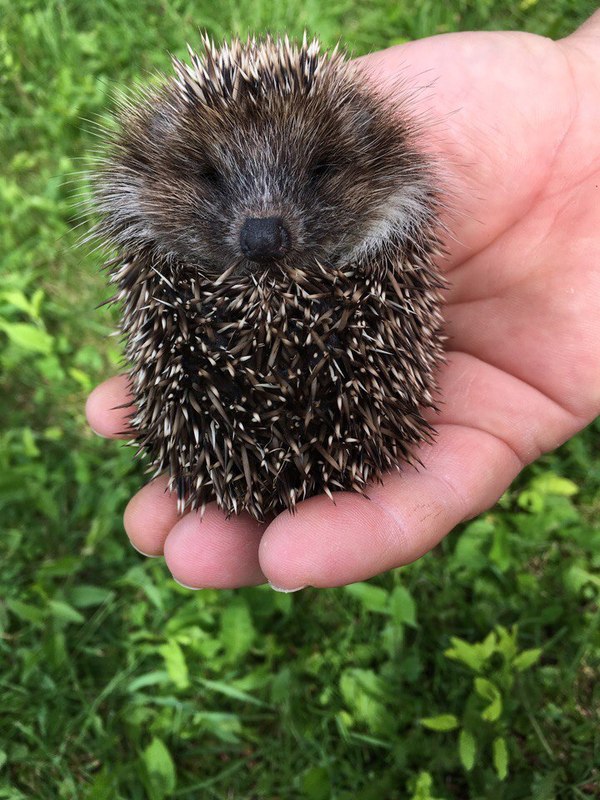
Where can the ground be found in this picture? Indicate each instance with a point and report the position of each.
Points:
(472, 673)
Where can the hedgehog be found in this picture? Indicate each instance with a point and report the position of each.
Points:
(274, 228)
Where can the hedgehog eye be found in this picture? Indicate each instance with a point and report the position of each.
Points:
(324, 167)
(209, 174)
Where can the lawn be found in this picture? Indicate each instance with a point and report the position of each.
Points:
(472, 673)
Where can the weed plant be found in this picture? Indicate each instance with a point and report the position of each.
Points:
(469, 674)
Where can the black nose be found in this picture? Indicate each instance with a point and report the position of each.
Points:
(264, 238)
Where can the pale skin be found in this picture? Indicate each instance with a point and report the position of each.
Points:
(519, 136)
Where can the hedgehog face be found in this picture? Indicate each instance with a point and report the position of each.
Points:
(247, 171)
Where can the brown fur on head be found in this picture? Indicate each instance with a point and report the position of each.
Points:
(275, 227)
(262, 129)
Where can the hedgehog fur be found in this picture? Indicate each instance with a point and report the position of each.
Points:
(275, 227)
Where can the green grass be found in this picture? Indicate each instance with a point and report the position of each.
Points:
(470, 674)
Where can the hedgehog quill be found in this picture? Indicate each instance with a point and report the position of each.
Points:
(275, 227)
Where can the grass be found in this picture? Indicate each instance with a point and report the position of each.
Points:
(470, 674)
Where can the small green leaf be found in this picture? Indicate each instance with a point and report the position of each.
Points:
(155, 678)
(103, 786)
(485, 689)
(549, 483)
(87, 595)
(36, 303)
(500, 757)
(17, 299)
(230, 691)
(493, 711)
(443, 722)
(527, 658)
(469, 553)
(64, 612)
(423, 787)
(489, 644)
(372, 598)
(175, 663)
(136, 576)
(500, 552)
(315, 784)
(226, 727)
(507, 642)
(362, 690)
(531, 500)
(402, 606)
(53, 433)
(488, 691)
(30, 448)
(29, 337)
(576, 577)
(466, 749)
(81, 378)
(237, 631)
(473, 655)
(26, 612)
(160, 770)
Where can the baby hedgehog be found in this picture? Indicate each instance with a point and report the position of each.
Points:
(274, 226)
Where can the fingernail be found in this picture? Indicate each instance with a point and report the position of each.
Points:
(286, 591)
(185, 586)
(101, 435)
(141, 552)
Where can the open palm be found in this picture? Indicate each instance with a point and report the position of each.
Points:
(519, 140)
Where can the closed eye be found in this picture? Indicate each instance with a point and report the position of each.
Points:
(326, 166)
(207, 173)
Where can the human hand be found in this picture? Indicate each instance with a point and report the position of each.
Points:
(520, 116)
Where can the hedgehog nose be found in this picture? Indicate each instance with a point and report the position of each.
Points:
(264, 238)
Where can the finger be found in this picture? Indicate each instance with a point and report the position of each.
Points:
(149, 517)
(324, 545)
(200, 552)
(104, 408)
(478, 395)
(214, 552)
